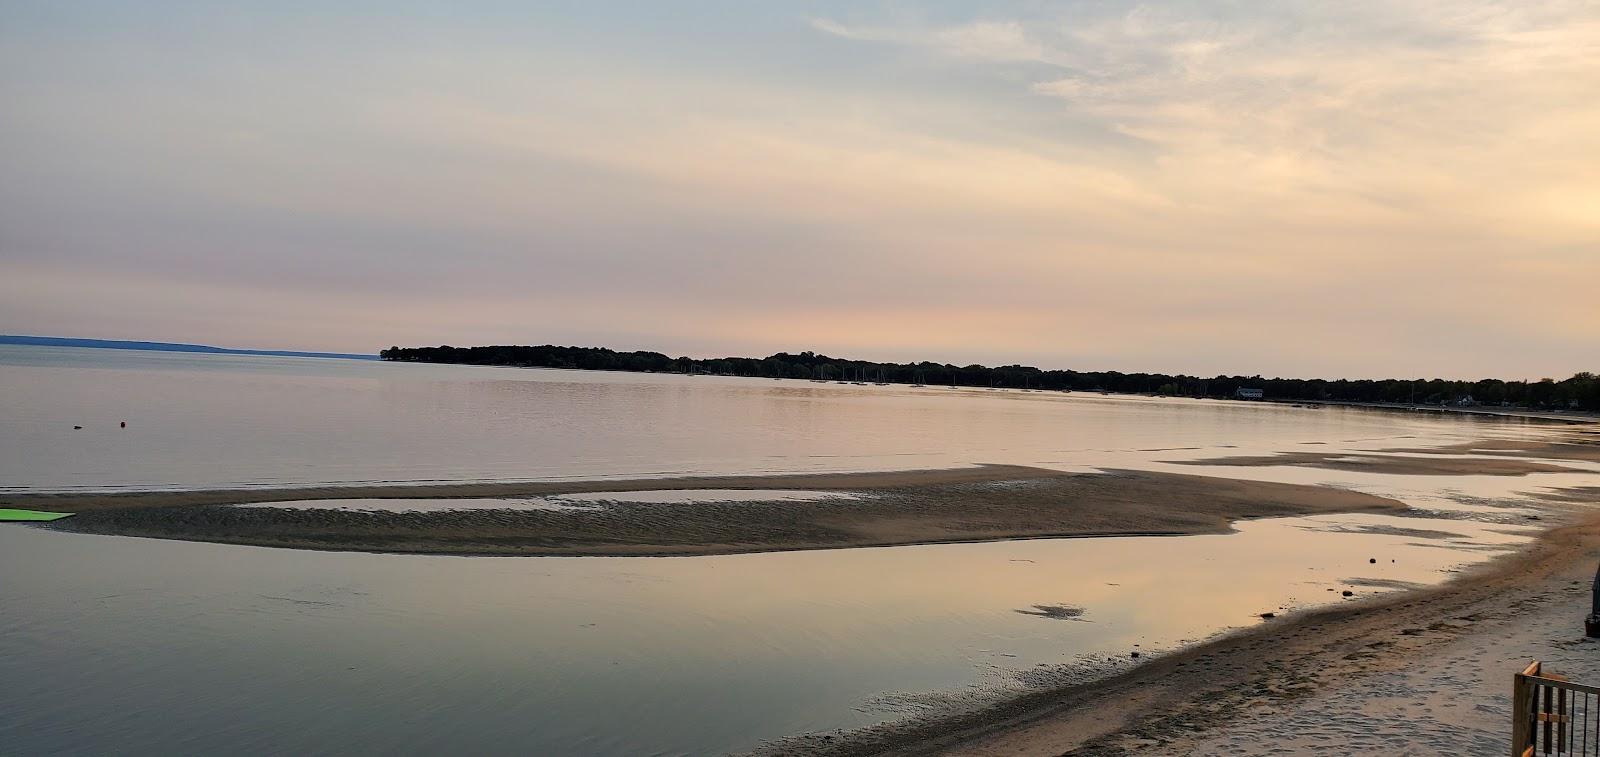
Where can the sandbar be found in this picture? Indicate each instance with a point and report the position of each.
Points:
(984, 503)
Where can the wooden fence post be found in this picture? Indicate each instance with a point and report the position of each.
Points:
(1522, 710)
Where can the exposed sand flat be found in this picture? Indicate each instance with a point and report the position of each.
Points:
(1395, 464)
(1425, 671)
(81, 502)
(1582, 494)
(981, 504)
(1579, 449)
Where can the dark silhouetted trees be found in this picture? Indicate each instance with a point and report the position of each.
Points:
(1581, 392)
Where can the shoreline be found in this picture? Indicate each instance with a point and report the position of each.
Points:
(1553, 416)
(1574, 416)
(1171, 698)
(986, 503)
(1184, 696)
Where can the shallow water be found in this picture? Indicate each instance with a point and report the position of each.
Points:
(154, 647)
(224, 421)
(114, 644)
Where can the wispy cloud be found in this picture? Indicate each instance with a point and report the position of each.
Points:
(1412, 105)
(979, 40)
(1298, 186)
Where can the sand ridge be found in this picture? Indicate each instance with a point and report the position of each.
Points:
(1577, 446)
(1391, 464)
(913, 507)
(1482, 457)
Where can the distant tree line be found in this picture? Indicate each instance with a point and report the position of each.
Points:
(1580, 392)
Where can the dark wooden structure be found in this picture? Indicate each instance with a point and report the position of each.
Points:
(1553, 716)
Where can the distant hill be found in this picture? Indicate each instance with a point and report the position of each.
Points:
(117, 344)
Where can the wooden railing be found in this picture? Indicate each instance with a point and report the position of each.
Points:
(1551, 715)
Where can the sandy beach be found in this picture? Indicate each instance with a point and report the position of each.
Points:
(1439, 658)
(909, 507)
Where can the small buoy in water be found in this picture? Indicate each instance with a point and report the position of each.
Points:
(75, 428)
(124, 424)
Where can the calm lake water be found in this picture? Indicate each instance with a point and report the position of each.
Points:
(222, 421)
(136, 646)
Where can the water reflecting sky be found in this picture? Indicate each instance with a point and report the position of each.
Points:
(223, 421)
(157, 647)
(154, 647)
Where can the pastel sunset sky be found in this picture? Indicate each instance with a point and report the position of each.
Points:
(1401, 188)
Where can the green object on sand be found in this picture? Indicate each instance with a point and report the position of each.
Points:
(21, 516)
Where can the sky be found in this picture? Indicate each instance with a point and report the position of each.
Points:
(1407, 188)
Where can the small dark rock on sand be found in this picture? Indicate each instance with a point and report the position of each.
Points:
(1348, 593)
(1268, 615)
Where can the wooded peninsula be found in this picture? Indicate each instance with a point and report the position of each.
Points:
(1580, 392)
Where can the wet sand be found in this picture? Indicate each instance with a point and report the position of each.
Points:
(1440, 689)
(1582, 447)
(912, 507)
(1483, 457)
(86, 501)
(1392, 464)
(1444, 653)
